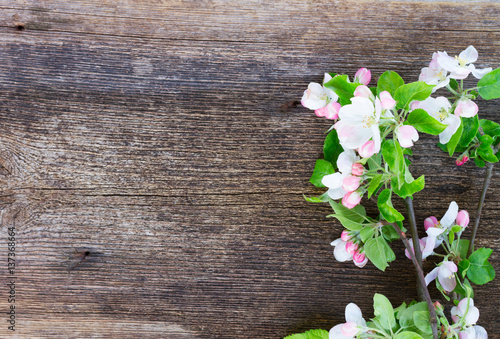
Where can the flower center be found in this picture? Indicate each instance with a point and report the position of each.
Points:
(442, 114)
(368, 121)
(461, 61)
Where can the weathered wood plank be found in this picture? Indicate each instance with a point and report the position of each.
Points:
(171, 157)
(293, 21)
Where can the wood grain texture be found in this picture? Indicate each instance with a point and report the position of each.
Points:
(159, 136)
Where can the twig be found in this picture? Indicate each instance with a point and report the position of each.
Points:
(416, 241)
(421, 280)
(486, 183)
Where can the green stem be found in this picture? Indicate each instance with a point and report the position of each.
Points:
(421, 280)
(486, 183)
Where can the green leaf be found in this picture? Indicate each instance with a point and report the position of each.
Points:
(399, 310)
(454, 85)
(470, 127)
(321, 169)
(463, 267)
(455, 138)
(389, 253)
(389, 81)
(332, 148)
(480, 271)
(375, 252)
(490, 128)
(366, 233)
(406, 317)
(407, 190)
(322, 198)
(311, 334)
(422, 321)
(356, 214)
(405, 94)
(425, 123)
(479, 162)
(486, 153)
(489, 85)
(393, 156)
(389, 233)
(384, 310)
(345, 90)
(408, 335)
(463, 246)
(374, 162)
(486, 141)
(386, 209)
(374, 184)
(347, 223)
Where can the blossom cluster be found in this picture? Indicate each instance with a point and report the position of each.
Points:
(367, 157)
(464, 318)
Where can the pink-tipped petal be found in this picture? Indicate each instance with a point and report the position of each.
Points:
(357, 169)
(466, 109)
(430, 222)
(345, 236)
(363, 92)
(363, 76)
(406, 135)
(386, 100)
(350, 329)
(351, 183)
(351, 247)
(351, 199)
(367, 149)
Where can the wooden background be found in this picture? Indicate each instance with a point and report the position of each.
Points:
(162, 137)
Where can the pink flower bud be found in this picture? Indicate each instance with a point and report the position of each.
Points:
(386, 100)
(466, 108)
(349, 329)
(430, 222)
(351, 183)
(351, 247)
(363, 91)
(438, 306)
(359, 259)
(357, 169)
(367, 149)
(351, 199)
(463, 218)
(462, 160)
(363, 76)
(345, 236)
(330, 111)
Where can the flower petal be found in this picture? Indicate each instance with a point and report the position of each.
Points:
(353, 314)
(450, 215)
(469, 54)
(479, 73)
(345, 161)
(431, 275)
(336, 333)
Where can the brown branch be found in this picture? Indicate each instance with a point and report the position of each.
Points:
(421, 280)
(486, 183)
(416, 241)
